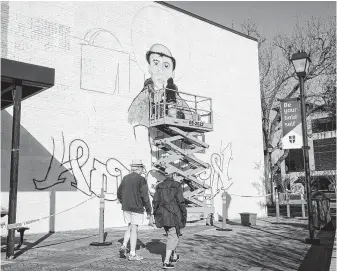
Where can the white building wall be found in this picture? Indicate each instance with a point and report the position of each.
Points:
(77, 131)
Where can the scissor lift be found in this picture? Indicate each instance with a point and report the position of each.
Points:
(181, 128)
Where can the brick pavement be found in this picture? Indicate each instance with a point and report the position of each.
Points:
(267, 246)
(333, 264)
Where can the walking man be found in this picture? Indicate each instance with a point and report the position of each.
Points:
(170, 212)
(133, 194)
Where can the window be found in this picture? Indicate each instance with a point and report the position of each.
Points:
(325, 154)
(323, 182)
(294, 161)
(323, 124)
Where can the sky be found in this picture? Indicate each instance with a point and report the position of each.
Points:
(271, 17)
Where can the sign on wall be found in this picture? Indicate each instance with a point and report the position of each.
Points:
(291, 124)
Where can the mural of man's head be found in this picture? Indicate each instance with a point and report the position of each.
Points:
(161, 65)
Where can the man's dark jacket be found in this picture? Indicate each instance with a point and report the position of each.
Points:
(133, 193)
(169, 205)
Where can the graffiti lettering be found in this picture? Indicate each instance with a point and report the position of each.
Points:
(106, 175)
(218, 173)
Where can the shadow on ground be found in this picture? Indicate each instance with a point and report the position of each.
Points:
(319, 256)
(139, 244)
(27, 245)
(155, 246)
(295, 225)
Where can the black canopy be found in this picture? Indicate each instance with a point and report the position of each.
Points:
(34, 79)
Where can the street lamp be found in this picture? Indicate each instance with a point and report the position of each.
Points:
(269, 151)
(301, 62)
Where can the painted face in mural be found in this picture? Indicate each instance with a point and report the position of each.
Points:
(161, 65)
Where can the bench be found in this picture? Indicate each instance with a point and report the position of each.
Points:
(20, 230)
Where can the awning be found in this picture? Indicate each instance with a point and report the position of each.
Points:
(18, 82)
(34, 79)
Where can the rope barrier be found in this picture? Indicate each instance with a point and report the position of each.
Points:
(246, 196)
(21, 224)
(267, 195)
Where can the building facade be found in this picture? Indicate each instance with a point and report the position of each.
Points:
(76, 137)
(322, 154)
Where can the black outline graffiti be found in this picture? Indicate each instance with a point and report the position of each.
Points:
(59, 181)
(212, 173)
(120, 174)
(80, 159)
(66, 164)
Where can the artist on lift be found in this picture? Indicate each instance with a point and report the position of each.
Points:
(171, 101)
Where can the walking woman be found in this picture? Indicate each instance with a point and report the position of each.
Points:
(169, 211)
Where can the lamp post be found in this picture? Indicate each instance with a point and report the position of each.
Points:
(269, 151)
(301, 62)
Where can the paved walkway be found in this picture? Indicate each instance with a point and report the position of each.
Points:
(333, 264)
(267, 246)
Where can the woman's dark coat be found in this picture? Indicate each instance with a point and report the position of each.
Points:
(169, 205)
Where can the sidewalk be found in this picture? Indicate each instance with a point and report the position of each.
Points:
(267, 246)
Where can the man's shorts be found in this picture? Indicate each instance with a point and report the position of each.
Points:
(133, 218)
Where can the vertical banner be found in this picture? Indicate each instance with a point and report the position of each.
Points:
(291, 124)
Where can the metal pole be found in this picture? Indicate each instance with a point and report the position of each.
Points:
(271, 177)
(14, 171)
(101, 217)
(101, 234)
(277, 207)
(224, 213)
(303, 208)
(288, 205)
(311, 238)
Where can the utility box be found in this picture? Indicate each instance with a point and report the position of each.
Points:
(248, 219)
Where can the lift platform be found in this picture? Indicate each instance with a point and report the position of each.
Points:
(181, 124)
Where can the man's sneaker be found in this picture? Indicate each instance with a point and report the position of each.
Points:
(168, 266)
(123, 251)
(135, 257)
(174, 260)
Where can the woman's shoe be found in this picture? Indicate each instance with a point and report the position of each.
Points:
(135, 257)
(123, 251)
(174, 260)
(168, 266)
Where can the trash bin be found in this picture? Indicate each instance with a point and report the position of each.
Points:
(248, 219)
(320, 210)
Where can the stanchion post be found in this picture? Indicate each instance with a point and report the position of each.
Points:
(277, 206)
(303, 208)
(288, 205)
(101, 216)
(101, 236)
(224, 213)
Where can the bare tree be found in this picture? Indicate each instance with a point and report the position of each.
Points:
(278, 79)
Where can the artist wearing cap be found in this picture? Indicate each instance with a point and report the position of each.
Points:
(133, 194)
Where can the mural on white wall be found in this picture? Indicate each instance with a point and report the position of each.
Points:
(161, 54)
(111, 62)
(106, 175)
(157, 47)
(109, 77)
(218, 174)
